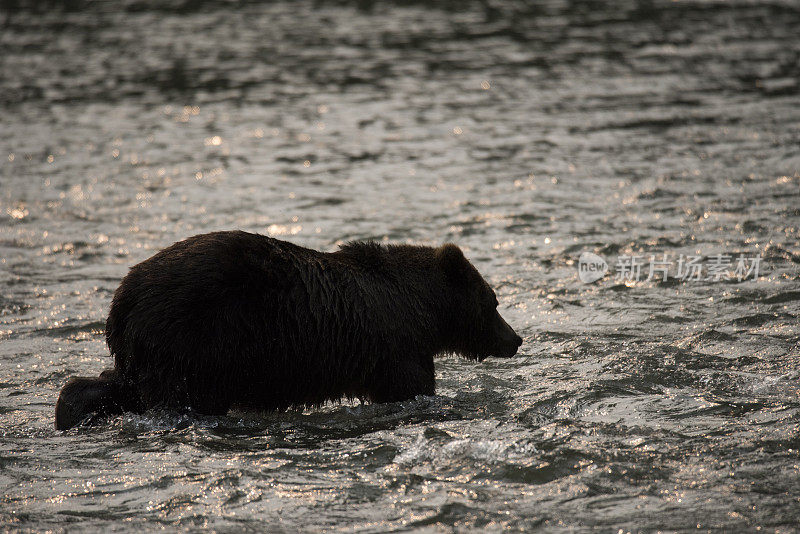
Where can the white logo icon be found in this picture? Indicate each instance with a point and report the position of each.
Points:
(591, 267)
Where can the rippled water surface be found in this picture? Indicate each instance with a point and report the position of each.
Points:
(527, 133)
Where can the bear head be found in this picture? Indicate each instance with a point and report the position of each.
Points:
(473, 326)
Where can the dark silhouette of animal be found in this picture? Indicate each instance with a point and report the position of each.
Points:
(240, 319)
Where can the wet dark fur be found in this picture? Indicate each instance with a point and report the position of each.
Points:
(238, 319)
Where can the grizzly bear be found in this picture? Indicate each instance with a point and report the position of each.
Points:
(235, 319)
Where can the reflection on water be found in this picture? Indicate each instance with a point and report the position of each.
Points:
(526, 133)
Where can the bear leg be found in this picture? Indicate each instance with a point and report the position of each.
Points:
(403, 382)
(208, 397)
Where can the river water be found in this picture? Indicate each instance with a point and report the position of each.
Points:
(528, 133)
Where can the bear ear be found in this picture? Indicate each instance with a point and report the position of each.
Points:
(452, 260)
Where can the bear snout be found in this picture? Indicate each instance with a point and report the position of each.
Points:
(508, 340)
(511, 347)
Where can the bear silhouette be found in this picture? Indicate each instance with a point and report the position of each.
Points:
(236, 319)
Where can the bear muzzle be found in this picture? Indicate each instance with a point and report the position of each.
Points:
(507, 341)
